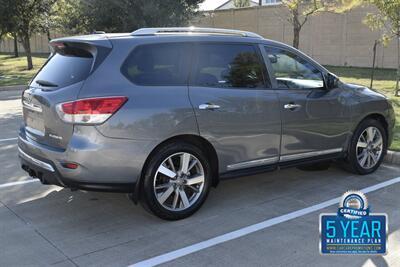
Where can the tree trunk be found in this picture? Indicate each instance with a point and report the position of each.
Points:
(16, 54)
(27, 46)
(296, 28)
(296, 37)
(48, 35)
(396, 93)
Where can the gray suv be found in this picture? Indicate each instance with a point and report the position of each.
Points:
(165, 113)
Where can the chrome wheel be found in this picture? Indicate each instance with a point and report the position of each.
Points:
(369, 147)
(179, 181)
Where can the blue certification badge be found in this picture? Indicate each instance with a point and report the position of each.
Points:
(353, 229)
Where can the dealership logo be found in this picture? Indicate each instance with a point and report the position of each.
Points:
(353, 229)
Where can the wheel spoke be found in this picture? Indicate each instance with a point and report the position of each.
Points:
(192, 164)
(378, 142)
(164, 170)
(368, 160)
(171, 164)
(185, 200)
(185, 160)
(370, 134)
(364, 158)
(374, 158)
(162, 186)
(176, 197)
(193, 188)
(362, 144)
(164, 196)
(195, 180)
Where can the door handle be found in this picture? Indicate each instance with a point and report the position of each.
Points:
(209, 106)
(292, 106)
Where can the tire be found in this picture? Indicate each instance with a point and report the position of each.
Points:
(356, 152)
(164, 195)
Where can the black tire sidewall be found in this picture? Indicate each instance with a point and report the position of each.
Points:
(352, 155)
(149, 199)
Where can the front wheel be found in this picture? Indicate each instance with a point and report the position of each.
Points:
(368, 147)
(176, 182)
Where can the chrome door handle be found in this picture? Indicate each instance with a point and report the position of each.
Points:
(291, 106)
(209, 106)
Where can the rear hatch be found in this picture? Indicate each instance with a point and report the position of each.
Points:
(59, 80)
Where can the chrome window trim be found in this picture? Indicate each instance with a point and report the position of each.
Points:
(310, 154)
(35, 161)
(252, 163)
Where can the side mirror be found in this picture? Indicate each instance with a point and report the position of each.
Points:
(273, 58)
(331, 81)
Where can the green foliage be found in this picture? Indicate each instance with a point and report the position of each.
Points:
(387, 19)
(124, 15)
(67, 16)
(241, 3)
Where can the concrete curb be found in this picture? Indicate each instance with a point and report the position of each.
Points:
(12, 87)
(392, 157)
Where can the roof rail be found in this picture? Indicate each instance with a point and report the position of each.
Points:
(193, 30)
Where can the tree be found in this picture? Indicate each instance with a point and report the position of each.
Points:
(241, 3)
(301, 10)
(8, 23)
(68, 17)
(29, 17)
(388, 20)
(127, 15)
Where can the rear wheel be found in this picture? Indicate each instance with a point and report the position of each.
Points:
(176, 182)
(368, 147)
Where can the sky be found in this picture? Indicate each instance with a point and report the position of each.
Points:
(211, 4)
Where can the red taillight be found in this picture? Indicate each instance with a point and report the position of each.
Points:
(90, 110)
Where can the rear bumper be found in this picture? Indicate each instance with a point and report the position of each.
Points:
(105, 164)
(54, 178)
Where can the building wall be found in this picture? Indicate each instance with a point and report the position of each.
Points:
(332, 39)
(39, 44)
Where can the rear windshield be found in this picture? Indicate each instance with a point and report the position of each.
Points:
(65, 67)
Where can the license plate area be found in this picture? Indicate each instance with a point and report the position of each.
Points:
(34, 123)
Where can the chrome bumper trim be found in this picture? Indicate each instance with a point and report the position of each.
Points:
(35, 161)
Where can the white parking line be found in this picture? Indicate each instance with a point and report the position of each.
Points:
(8, 139)
(250, 229)
(18, 183)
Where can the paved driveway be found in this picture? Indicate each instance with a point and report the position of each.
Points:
(47, 225)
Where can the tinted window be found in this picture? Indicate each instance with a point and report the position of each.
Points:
(228, 66)
(158, 64)
(292, 71)
(66, 67)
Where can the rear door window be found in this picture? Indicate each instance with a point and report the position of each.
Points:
(158, 64)
(65, 67)
(228, 66)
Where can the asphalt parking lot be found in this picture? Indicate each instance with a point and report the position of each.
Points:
(48, 225)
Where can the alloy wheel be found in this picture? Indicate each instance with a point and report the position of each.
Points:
(179, 181)
(369, 147)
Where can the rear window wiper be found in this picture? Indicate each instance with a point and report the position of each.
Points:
(46, 83)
